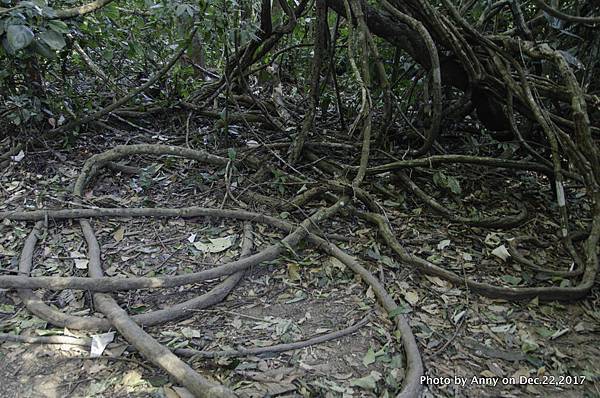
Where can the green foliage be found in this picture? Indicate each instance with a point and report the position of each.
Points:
(447, 182)
(17, 38)
(22, 108)
(43, 77)
(29, 28)
(30, 39)
(279, 182)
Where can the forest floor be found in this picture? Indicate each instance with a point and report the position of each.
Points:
(299, 296)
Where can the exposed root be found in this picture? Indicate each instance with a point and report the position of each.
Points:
(486, 289)
(189, 352)
(518, 257)
(488, 222)
(129, 326)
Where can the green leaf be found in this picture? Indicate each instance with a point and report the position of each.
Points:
(58, 26)
(43, 49)
(107, 54)
(373, 252)
(513, 280)
(216, 245)
(231, 154)
(290, 248)
(53, 39)
(528, 346)
(111, 11)
(138, 309)
(439, 179)
(19, 36)
(544, 331)
(443, 181)
(48, 12)
(223, 114)
(184, 9)
(398, 311)
(367, 382)
(397, 362)
(454, 185)
(369, 357)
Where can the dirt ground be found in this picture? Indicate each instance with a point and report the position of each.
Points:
(471, 346)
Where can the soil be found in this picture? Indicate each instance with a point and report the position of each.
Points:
(462, 336)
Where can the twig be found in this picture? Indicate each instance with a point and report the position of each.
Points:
(128, 97)
(241, 352)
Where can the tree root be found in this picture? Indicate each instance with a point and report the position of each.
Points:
(442, 159)
(522, 293)
(436, 116)
(123, 100)
(518, 257)
(128, 326)
(38, 307)
(566, 17)
(486, 289)
(500, 222)
(45, 339)
(412, 385)
(242, 352)
(188, 352)
(141, 340)
(103, 284)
